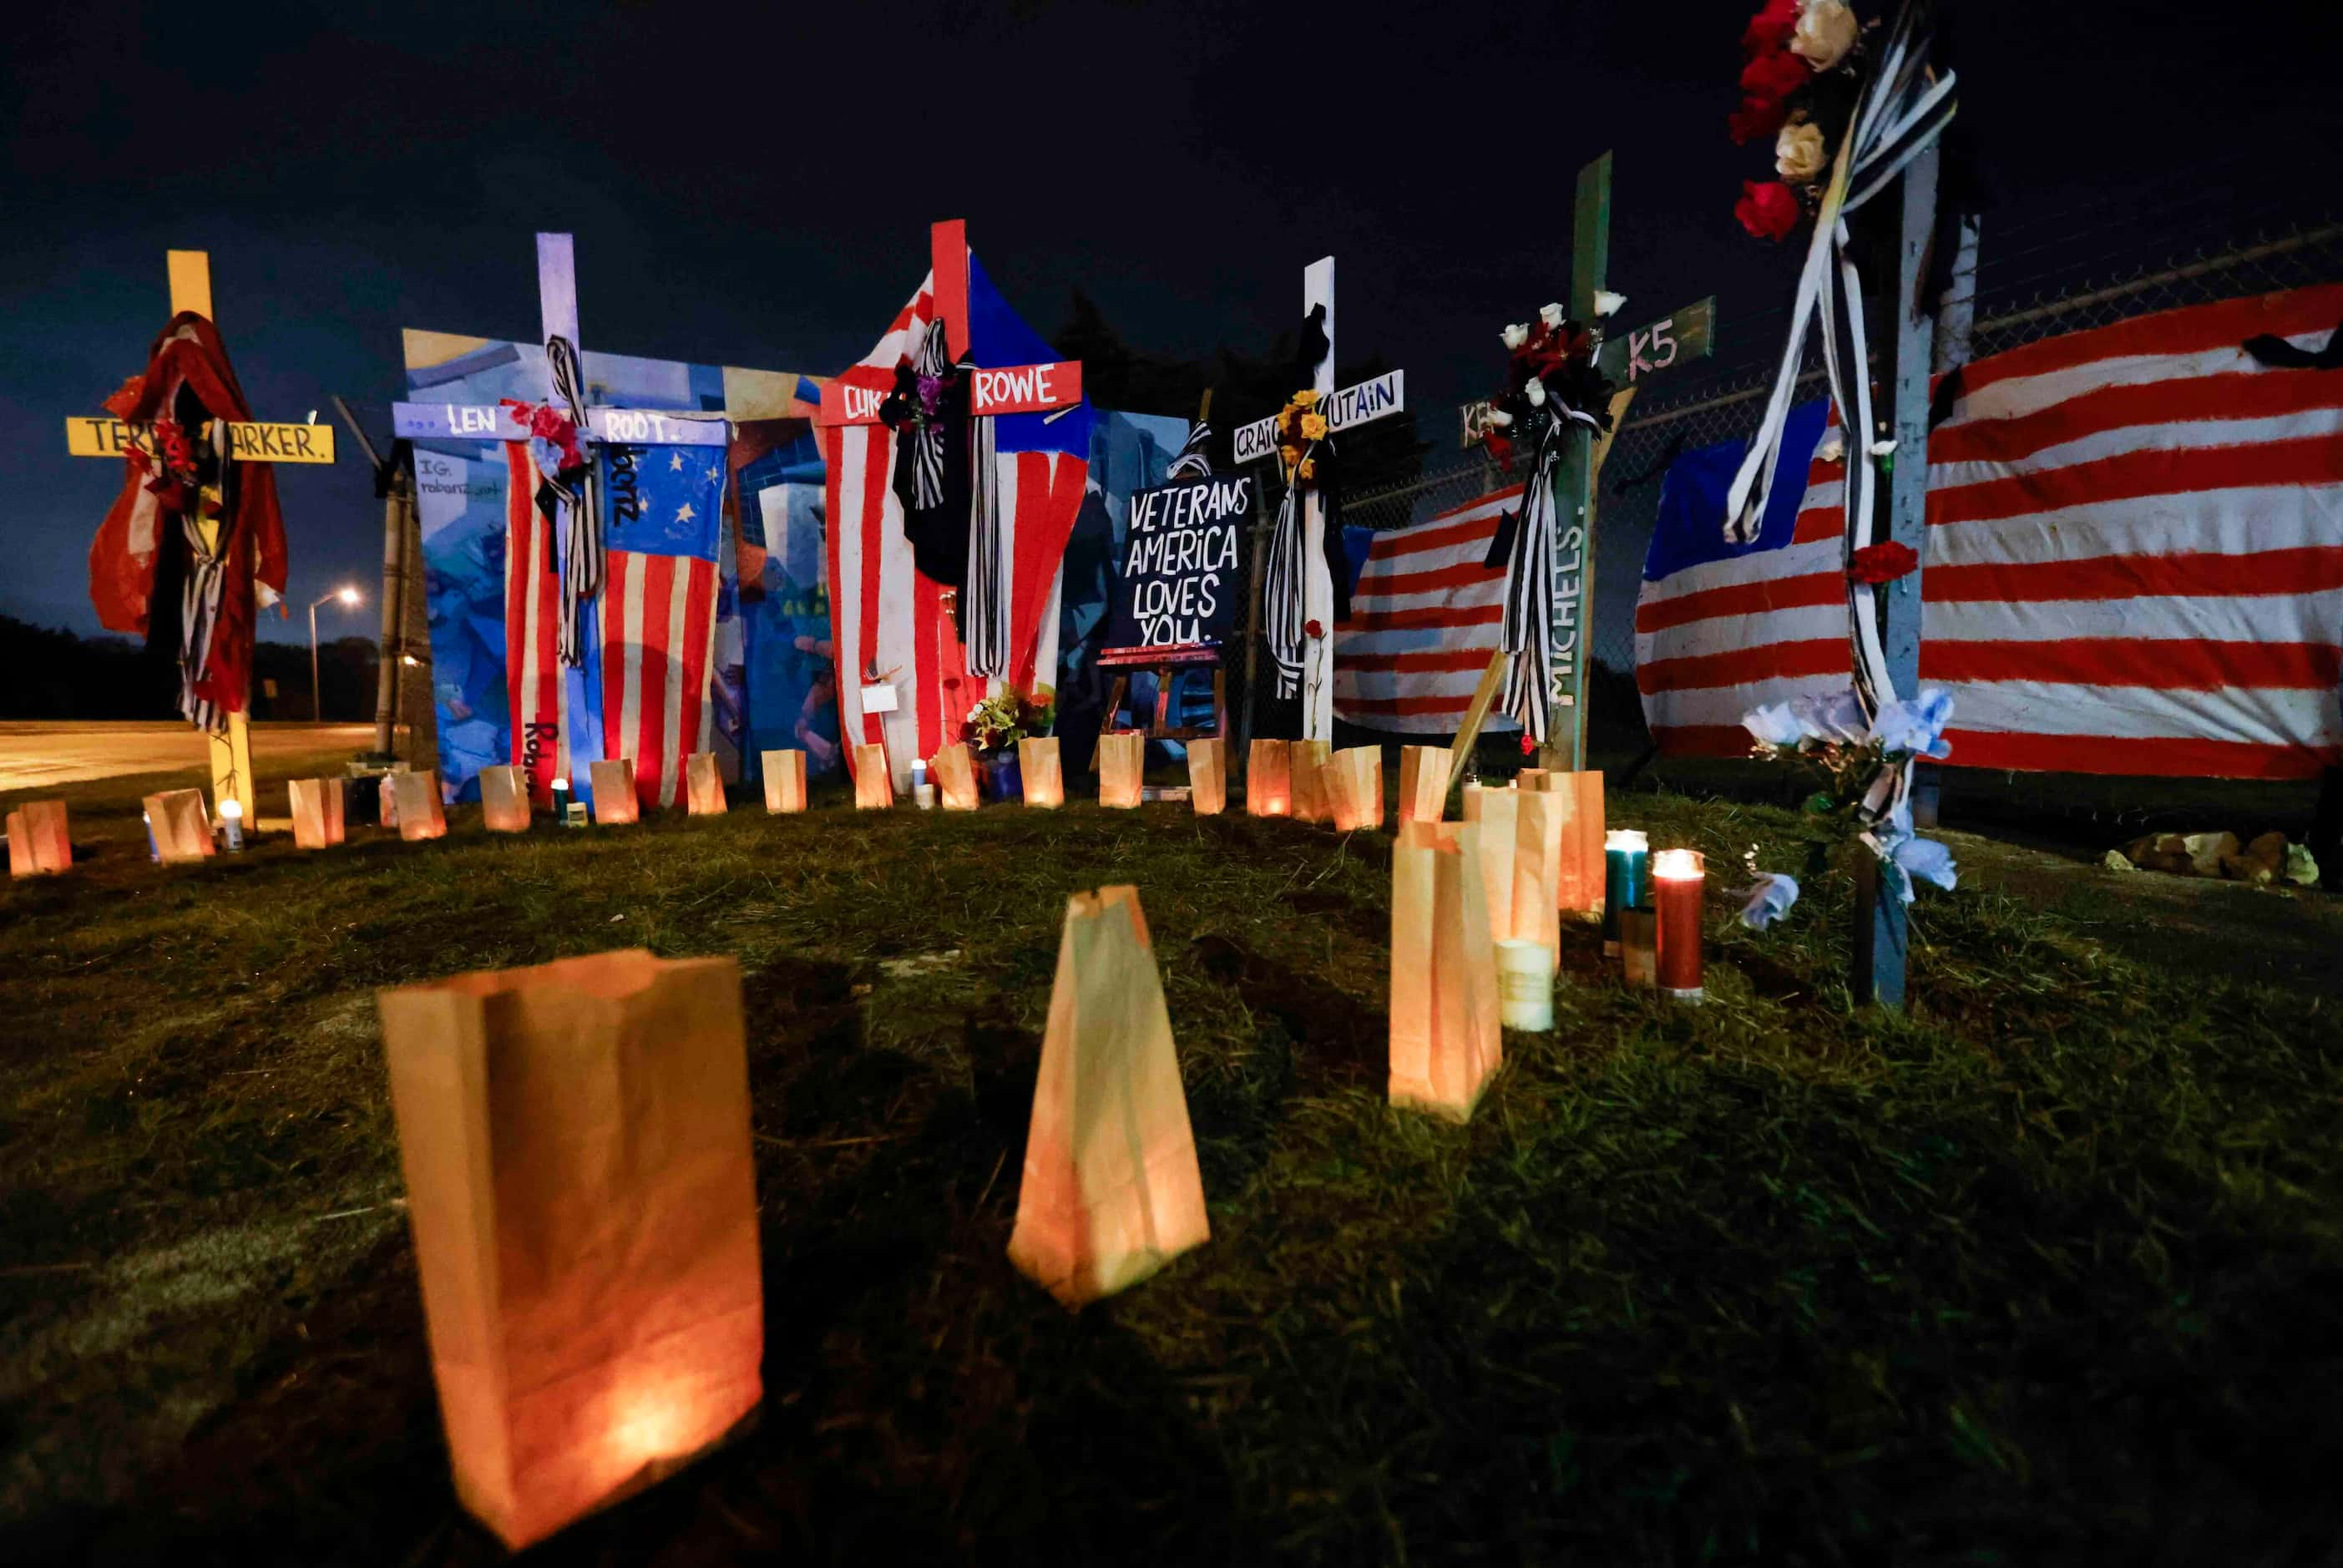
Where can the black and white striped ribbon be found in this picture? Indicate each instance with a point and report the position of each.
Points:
(200, 593)
(984, 613)
(578, 513)
(927, 440)
(1527, 634)
(1901, 111)
(1192, 463)
(1284, 583)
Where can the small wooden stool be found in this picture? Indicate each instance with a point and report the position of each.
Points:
(1168, 664)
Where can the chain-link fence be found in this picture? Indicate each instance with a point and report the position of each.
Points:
(2014, 306)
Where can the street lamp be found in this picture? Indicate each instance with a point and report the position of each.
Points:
(349, 596)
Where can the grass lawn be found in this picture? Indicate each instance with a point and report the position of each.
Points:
(2047, 1271)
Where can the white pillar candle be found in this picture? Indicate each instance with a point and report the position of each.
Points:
(1525, 984)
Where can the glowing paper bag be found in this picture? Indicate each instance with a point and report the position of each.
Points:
(420, 815)
(785, 782)
(1533, 779)
(1308, 762)
(1537, 866)
(1269, 779)
(1423, 783)
(955, 778)
(1498, 812)
(316, 809)
(1044, 775)
(1355, 788)
(874, 785)
(182, 830)
(504, 800)
(1445, 1029)
(703, 785)
(575, 1138)
(38, 842)
(1111, 1190)
(1580, 891)
(614, 793)
(1121, 756)
(1208, 775)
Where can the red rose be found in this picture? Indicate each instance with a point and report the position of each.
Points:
(1529, 746)
(1768, 211)
(1883, 562)
(1312, 628)
(1770, 31)
(1756, 120)
(1774, 77)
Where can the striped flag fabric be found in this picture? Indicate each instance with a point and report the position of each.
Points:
(1426, 616)
(533, 612)
(662, 508)
(892, 628)
(2134, 560)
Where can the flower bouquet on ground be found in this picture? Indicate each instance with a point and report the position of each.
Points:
(1865, 767)
(996, 725)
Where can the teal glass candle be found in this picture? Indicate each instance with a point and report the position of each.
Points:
(1627, 880)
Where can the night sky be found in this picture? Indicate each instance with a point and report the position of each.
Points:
(754, 187)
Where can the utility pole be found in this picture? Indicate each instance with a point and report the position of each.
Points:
(1573, 567)
(391, 482)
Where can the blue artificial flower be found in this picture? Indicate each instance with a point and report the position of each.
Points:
(1917, 725)
(1905, 856)
(1769, 901)
(1838, 717)
(1774, 724)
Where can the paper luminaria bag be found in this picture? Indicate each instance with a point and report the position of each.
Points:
(614, 801)
(1423, 783)
(1111, 1189)
(955, 776)
(1355, 787)
(785, 782)
(316, 805)
(183, 832)
(1540, 816)
(1307, 762)
(576, 1143)
(1446, 1033)
(420, 814)
(1208, 775)
(874, 787)
(1121, 756)
(1043, 770)
(1498, 813)
(504, 800)
(39, 843)
(1269, 779)
(703, 783)
(1580, 891)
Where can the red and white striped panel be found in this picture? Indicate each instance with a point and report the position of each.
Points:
(659, 636)
(1424, 619)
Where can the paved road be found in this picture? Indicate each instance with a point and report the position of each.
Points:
(35, 753)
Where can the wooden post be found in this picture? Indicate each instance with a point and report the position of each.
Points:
(1318, 581)
(1955, 314)
(1573, 567)
(392, 482)
(1881, 932)
(190, 273)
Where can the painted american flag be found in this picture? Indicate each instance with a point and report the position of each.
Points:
(1424, 619)
(533, 676)
(2134, 560)
(891, 625)
(662, 508)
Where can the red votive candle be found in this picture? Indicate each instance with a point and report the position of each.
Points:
(1678, 878)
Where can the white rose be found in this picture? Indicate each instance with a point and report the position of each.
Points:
(1830, 450)
(1515, 335)
(1535, 392)
(1798, 151)
(1827, 31)
(1551, 315)
(1607, 303)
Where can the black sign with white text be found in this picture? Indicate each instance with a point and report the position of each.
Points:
(1179, 577)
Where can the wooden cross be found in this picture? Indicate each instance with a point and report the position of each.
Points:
(855, 395)
(1360, 405)
(190, 273)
